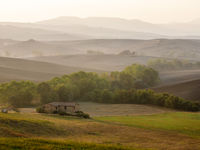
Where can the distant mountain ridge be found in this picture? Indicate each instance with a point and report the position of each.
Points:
(75, 28)
(67, 31)
(22, 32)
(183, 29)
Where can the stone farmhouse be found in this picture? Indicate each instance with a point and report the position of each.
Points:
(61, 107)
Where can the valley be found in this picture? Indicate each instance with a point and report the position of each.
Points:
(99, 83)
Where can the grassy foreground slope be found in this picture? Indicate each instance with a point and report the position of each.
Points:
(43, 131)
(41, 144)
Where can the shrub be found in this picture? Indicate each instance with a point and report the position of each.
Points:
(16, 109)
(40, 109)
(55, 112)
(77, 113)
(62, 113)
(82, 114)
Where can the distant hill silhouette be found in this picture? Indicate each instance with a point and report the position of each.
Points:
(74, 28)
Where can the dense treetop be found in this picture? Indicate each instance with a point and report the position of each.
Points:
(127, 86)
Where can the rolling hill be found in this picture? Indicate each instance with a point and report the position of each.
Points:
(33, 47)
(70, 31)
(187, 90)
(177, 76)
(74, 28)
(178, 30)
(5, 42)
(184, 49)
(107, 62)
(10, 31)
(159, 48)
(19, 69)
(183, 83)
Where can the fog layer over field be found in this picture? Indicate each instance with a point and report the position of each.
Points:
(39, 51)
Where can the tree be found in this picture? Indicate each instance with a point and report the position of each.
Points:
(107, 96)
(147, 75)
(21, 99)
(47, 94)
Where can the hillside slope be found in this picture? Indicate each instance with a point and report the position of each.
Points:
(187, 49)
(132, 131)
(35, 48)
(20, 69)
(187, 90)
(74, 28)
(170, 29)
(8, 74)
(10, 31)
(100, 62)
(178, 76)
(183, 83)
(108, 62)
(74, 31)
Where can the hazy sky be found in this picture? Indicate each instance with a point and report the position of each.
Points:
(156, 11)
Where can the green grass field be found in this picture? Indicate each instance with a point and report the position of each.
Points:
(182, 122)
(171, 131)
(41, 144)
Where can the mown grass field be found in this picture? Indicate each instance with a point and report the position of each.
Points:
(96, 109)
(186, 123)
(163, 131)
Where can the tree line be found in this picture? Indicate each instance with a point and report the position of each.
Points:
(172, 64)
(126, 87)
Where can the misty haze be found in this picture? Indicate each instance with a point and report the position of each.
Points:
(103, 75)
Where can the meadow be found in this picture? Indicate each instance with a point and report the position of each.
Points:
(169, 130)
(100, 109)
(180, 122)
(41, 144)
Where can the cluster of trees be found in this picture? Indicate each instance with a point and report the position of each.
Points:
(126, 86)
(133, 96)
(18, 93)
(174, 64)
(90, 52)
(127, 53)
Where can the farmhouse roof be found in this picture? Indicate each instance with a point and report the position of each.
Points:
(63, 104)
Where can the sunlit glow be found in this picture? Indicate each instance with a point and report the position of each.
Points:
(156, 11)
